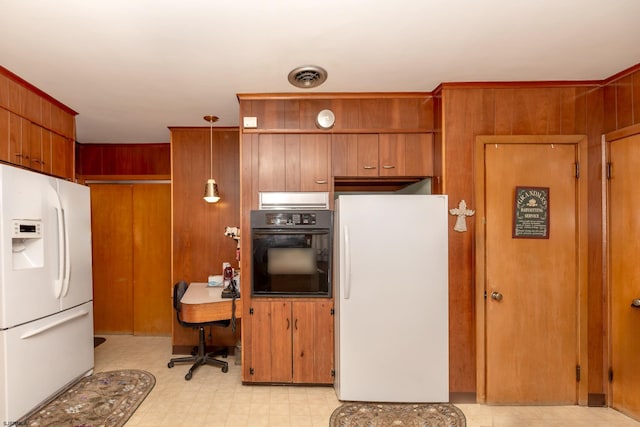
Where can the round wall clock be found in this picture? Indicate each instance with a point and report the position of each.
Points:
(325, 119)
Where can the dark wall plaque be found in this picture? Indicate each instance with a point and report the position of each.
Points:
(531, 213)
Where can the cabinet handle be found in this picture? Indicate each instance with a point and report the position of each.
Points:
(388, 167)
(288, 324)
(35, 161)
(321, 181)
(368, 167)
(295, 325)
(18, 154)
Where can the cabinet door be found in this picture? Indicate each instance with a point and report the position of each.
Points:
(15, 139)
(271, 163)
(344, 155)
(270, 353)
(312, 342)
(314, 162)
(391, 150)
(4, 135)
(35, 146)
(418, 159)
(367, 160)
(46, 151)
(62, 156)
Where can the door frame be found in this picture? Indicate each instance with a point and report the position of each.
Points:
(607, 139)
(581, 143)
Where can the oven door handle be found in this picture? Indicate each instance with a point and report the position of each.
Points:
(347, 263)
(271, 231)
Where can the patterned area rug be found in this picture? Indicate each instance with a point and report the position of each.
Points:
(103, 399)
(358, 414)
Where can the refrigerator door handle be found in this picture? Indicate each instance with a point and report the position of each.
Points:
(347, 263)
(59, 282)
(53, 325)
(67, 256)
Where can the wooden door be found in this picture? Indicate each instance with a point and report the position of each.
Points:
(531, 284)
(314, 162)
(281, 346)
(152, 309)
(15, 139)
(312, 342)
(624, 272)
(257, 359)
(112, 241)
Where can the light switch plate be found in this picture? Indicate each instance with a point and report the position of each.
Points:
(250, 122)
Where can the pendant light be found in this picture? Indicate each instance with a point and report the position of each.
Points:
(211, 194)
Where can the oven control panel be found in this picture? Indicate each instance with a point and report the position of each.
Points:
(288, 218)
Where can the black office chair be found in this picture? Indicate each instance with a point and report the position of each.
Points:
(199, 356)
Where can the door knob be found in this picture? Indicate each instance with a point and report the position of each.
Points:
(635, 303)
(496, 296)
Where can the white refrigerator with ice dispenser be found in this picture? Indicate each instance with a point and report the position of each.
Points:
(46, 308)
(391, 298)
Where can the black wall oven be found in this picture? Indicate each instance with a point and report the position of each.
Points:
(291, 253)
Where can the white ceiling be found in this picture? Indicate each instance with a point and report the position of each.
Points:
(131, 68)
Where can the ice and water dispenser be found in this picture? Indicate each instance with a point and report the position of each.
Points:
(27, 246)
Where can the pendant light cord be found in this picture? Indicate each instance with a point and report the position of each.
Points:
(211, 150)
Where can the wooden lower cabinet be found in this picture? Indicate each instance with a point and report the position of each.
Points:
(291, 341)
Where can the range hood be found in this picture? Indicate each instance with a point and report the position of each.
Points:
(292, 200)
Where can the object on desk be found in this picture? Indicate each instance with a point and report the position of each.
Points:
(215, 280)
(232, 290)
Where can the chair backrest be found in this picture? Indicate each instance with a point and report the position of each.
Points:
(178, 292)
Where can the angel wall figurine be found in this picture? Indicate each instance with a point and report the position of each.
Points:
(462, 213)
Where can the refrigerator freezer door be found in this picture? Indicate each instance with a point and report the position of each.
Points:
(42, 357)
(77, 284)
(28, 266)
(392, 326)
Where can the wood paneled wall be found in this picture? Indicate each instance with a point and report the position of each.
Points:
(622, 100)
(199, 245)
(464, 111)
(123, 159)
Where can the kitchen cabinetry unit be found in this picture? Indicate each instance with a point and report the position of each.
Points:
(382, 155)
(291, 341)
(36, 131)
(293, 162)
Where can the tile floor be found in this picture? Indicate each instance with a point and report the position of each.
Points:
(213, 398)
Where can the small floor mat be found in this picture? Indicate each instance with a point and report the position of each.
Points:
(360, 414)
(103, 399)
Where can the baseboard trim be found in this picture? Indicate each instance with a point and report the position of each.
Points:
(462, 397)
(597, 399)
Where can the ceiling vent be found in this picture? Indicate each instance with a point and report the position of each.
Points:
(307, 76)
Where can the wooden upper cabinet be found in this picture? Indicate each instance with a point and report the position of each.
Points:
(382, 155)
(4, 135)
(62, 156)
(315, 169)
(294, 162)
(405, 154)
(32, 126)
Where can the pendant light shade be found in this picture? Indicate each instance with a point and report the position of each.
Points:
(211, 194)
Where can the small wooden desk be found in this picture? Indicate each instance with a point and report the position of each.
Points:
(202, 303)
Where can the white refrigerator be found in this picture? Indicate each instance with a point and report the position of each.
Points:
(391, 319)
(46, 307)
